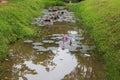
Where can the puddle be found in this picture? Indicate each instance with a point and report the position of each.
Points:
(60, 55)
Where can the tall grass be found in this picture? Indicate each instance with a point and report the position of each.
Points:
(15, 19)
(102, 20)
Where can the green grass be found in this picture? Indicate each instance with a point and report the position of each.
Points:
(102, 21)
(15, 19)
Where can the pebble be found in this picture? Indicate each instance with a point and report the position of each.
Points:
(28, 41)
(86, 55)
(6, 59)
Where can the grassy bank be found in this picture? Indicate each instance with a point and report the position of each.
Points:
(15, 19)
(102, 20)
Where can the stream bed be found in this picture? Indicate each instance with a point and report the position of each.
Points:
(62, 53)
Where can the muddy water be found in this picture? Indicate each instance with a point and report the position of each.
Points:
(54, 59)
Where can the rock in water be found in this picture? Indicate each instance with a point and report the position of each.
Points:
(28, 41)
(86, 55)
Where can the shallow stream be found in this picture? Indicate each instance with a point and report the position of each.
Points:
(50, 57)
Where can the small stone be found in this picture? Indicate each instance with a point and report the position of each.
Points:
(79, 66)
(37, 53)
(28, 41)
(6, 59)
(86, 55)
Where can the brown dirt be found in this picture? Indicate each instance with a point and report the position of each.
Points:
(3, 1)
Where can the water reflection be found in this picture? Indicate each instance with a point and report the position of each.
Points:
(86, 69)
(60, 60)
